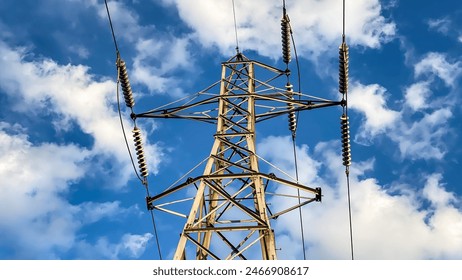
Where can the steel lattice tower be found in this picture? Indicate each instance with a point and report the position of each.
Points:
(232, 193)
(229, 213)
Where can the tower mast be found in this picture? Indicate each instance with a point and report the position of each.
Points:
(232, 192)
(229, 213)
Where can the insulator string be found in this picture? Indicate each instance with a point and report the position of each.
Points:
(344, 120)
(123, 128)
(143, 181)
(125, 83)
(346, 147)
(343, 67)
(143, 168)
(291, 108)
(285, 36)
(297, 63)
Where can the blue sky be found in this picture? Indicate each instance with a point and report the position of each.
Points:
(67, 188)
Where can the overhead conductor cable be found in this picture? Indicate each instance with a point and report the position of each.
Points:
(235, 27)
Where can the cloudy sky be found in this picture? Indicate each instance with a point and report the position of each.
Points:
(67, 187)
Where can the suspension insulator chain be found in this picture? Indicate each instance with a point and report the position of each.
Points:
(285, 34)
(343, 68)
(291, 108)
(139, 152)
(125, 83)
(346, 148)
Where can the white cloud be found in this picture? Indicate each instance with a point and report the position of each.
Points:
(125, 21)
(129, 246)
(416, 95)
(444, 219)
(424, 138)
(34, 180)
(437, 64)
(157, 61)
(317, 24)
(419, 136)
(436, 194)
(387, 224)
(371, 100)
(37, 220)
(81, 51)
(422, 131)
(38, 176)
(442, 25)
(276, 150)
(135, 244)
(171, 55)
(212, 21)
(73, 95)
(92, 212)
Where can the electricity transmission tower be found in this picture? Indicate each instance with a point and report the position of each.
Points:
(232, 193)
(228, 208)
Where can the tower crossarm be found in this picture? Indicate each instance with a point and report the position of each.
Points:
(270, 100)
(151, 200)
(267, 106)
(182, 111)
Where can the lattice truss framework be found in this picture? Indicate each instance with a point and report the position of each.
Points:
(227, 212)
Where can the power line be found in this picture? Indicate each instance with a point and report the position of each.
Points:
(349, 214)
(300, 213)
(122, 79)
(154, 224)
(112, 27)
(235, 28)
